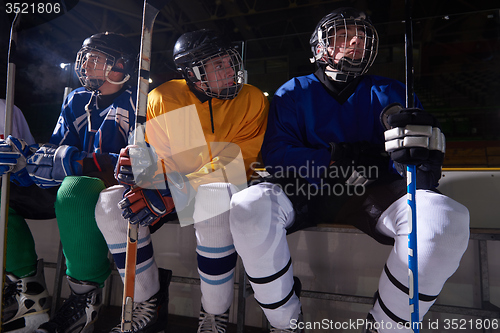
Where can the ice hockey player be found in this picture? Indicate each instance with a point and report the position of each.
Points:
(327, 123)
(24, 283)
(95, 123)
(207, 130)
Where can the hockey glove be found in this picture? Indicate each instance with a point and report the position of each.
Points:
(51, 163)
(358, 163)
(135, 165)
(146, 206)
(13, 154)
(413, 137)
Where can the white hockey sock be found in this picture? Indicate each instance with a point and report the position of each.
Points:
(114, 228)
(216, 254)
(442, 238)
(259, 216)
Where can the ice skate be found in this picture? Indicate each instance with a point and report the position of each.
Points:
(209, 323)
(26, 302)
(79, 312)
(151, 316)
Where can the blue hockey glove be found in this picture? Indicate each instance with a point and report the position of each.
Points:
(50, 164)
(135, 165)
(413, 137)
(146, 206)
(13, 154)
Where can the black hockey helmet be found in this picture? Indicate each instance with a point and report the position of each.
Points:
(111, 48)
(192, 52)
(324, 35)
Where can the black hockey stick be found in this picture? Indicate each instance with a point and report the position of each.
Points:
(9, 101)
(411, 179)
(150, 11)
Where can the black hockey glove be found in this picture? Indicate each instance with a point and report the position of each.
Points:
(413, 137)
(358, 162)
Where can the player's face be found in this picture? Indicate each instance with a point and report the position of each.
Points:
(94, 64)
(219, 73)
(347, 42)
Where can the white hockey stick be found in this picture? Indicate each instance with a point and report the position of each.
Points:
(150, 11)
(9, 98)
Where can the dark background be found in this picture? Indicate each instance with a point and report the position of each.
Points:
(456, 54)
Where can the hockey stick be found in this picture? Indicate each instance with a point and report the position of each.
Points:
(411, 179)
(9, 101)
(150, 11)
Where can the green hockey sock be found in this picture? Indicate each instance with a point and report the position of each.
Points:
(84, 246)
(21, 255)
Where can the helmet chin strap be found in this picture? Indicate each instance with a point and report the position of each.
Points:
(125, 79)
(335, 75)
(110, 68)
(352, 68)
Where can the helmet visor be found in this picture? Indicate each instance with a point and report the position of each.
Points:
(350, 45)
(220, 75)
(92, 67)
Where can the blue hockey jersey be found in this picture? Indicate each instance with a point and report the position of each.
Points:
(304, 118)
(110, 126)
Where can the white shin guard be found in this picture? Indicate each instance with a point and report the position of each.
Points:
(216, 254)
(442, 238)
(114, 228)
(259, 218)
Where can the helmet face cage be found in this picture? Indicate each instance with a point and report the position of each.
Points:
(333, 34)
(98, 62)
(220, 75)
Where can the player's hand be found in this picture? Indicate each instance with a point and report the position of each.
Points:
(13, 154)
(135, 165)
(100, 166)
(49, 165)
(354, 159)
(360, 153)
(412, 136)
(146, 206)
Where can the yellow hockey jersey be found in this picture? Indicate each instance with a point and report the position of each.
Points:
(214, 141)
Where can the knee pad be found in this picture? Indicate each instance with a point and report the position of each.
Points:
(443, 220)
(107, 210)
(256, 208)
(213, 200)
(78, 191)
